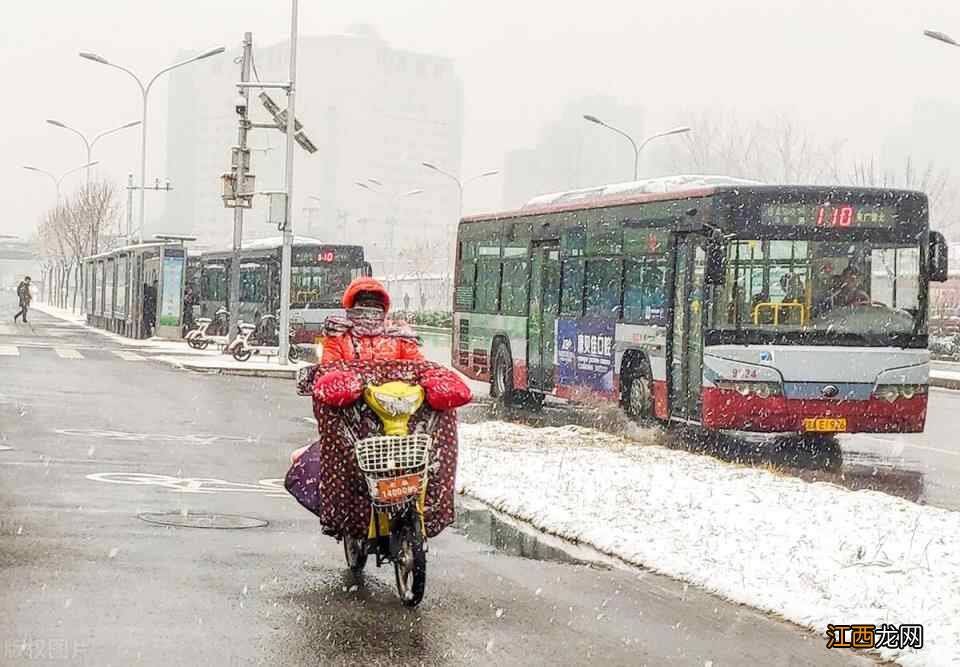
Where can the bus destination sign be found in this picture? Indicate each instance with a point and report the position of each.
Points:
(827, 215)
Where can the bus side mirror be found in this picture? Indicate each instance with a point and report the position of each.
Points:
(938, 258)
(716, 269)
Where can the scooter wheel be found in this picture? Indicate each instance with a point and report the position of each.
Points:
(293, 352)
(410, 565)
(241, 354)
(201, 344)
(355, 551)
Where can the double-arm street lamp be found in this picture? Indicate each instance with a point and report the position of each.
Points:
(460, 185)
(390, 198)
(58, 180)
(144, 92)
(636, 148)
(941, 37)
(89, 143)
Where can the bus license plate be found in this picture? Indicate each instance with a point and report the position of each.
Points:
(396, 488)
(825, 425)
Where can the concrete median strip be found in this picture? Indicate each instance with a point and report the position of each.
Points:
(945, 380)
(223, 365)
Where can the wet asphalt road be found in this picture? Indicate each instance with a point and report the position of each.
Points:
(83, 580)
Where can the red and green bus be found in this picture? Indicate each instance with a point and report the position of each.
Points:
(735, 307)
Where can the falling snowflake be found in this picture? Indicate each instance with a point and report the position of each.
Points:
(499, 613)
(113, 553)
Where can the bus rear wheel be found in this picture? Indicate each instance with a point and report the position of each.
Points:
(638, 397)
(501, 377)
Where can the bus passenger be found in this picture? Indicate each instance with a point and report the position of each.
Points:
(850, 292)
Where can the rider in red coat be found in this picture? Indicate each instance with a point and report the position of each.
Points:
(323, 476)
(367, 335)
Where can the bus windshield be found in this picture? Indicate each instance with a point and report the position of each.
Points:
(859, 288)
(319, 286)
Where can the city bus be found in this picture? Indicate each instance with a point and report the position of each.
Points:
(320, 272)
(732, 307)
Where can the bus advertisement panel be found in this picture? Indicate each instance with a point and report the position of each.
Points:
(758, 308)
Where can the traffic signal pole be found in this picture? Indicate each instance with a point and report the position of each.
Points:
(233, 291)
(288, 222)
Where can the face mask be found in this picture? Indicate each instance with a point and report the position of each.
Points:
(367, 321)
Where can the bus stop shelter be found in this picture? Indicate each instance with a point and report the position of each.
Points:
(137, 290)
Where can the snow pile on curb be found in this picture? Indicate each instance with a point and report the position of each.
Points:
(228, 363)
(814, 553)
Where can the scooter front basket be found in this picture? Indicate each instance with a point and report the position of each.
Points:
(395, 467)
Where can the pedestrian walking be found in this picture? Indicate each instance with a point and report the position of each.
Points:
(189, 301)
(149, 309)
(25, 297)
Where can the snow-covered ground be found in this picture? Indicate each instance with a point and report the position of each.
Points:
(814, 553)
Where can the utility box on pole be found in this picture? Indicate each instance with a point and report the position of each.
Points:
(239, 184)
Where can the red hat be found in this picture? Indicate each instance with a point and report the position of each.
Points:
(365, 285)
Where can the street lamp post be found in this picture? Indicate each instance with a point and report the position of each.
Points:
(460, 186)
(941, 37)
(144, 92)
(636, 148)
(58, 181)
(389, 198)
(89, 143)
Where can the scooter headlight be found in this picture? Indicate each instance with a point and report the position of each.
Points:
(398, 405)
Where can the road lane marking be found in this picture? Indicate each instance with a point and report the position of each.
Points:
(68, 353)
(192, 438)
(266, 487)
(9, 351)
(907, 445)
(128, 356)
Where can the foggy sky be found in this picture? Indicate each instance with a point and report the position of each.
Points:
(850, 69)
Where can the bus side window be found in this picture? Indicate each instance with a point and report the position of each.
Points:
(571, 290)
(603, 284)
(515, 289)
(488, 286)
(644, 290)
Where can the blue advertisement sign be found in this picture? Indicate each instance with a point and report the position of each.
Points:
(585, 353)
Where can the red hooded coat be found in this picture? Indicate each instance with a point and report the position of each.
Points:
(397, 343)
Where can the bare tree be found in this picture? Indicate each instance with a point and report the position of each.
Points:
(777, 150)
(938, 184)
(780, 150)
(76, 228)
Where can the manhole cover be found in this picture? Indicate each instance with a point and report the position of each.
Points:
(203, 520)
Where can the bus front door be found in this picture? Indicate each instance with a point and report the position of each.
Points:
(686, 363)
(541, 323)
